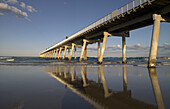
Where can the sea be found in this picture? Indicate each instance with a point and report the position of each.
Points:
(44, 83)
(136, 61)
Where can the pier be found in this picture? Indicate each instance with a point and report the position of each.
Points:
(134, 15)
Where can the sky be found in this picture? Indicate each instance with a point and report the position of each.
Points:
(27, 27)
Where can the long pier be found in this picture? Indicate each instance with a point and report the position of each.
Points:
(134, 15)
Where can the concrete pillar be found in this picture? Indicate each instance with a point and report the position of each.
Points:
(98, 50)
(64, 55)
(68, 53)
(106, 34)
(75, 53)
(56, 53)
(59, 53)
(124, 49)
(85, 53)
(84, 46)
(156, 88)
(154, 41)
(72, 48)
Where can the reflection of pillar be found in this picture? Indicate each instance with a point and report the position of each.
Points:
(59, 70)
(106, 91)
(156, 88)
(64, 70)
(75, 72)
(99, 75)
(85, 72)
(124, 79)
(83, 77)
(72, 75)
(154, 41)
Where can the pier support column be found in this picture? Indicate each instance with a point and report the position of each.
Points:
(85, 53)
(154, 42)
(75, 53)
(124, 50)
(64, 55)
(59, 53)
(106, 34)
(72, 48)
(68, 53)
(84, 46)
(56, 53)
(98, 50)
(156, 88)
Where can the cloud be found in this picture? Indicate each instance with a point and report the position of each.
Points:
(31, 9)
(92, 47)
(11, 1)
(11, 9)
(22, 4)
(28, 7)
(1, 14)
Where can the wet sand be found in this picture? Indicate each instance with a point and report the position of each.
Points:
(64, 86)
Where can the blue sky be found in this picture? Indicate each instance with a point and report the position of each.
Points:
(27, 27)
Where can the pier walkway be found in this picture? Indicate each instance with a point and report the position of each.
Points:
(134, 15)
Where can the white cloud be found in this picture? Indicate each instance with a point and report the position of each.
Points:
(11, 9)
(22, 4)
(1, 14)
(31, 9)
(11, 1)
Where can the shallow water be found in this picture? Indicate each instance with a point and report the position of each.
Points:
(82, 87)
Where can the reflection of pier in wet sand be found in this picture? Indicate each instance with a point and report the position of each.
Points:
(99, 95)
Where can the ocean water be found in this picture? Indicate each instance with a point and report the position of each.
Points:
(139, 61)
(39, 83)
